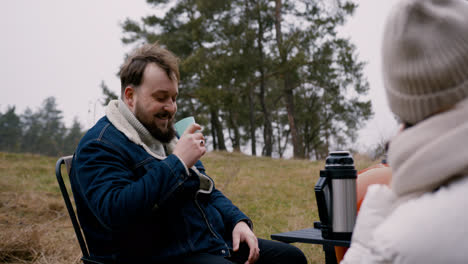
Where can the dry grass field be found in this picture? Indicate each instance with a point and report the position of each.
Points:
(35, 228)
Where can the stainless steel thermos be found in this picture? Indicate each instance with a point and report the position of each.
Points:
(336, 196)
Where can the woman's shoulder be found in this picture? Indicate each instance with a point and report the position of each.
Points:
(428, 228)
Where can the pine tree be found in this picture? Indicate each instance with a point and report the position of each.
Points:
(72, 138)
(10, 130)
(260, 64)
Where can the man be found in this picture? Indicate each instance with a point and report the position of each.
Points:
(142, 194)
(423, 217)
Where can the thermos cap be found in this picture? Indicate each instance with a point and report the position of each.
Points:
(339, 164)
(339, 159)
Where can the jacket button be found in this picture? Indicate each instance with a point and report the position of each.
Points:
(223, 251)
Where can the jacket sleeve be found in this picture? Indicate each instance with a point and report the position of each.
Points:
(375, 208)
(231, 214)
(107, 183)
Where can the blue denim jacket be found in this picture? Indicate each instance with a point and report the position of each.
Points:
(134, 208)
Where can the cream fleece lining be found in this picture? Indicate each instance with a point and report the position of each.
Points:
(123, 119)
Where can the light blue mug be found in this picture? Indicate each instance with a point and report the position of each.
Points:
(183, 124)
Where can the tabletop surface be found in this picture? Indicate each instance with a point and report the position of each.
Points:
(310, 236)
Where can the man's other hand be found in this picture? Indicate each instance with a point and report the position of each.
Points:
(191, 146)
(242, 233)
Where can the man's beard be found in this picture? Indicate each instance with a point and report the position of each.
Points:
(164, 137)
(155, 131)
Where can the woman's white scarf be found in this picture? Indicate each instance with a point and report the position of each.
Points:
(431, 153)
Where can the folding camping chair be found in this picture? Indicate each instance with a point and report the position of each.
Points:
(67, 160)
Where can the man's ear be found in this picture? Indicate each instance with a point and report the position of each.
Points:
(129, 96)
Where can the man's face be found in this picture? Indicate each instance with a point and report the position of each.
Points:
(154, 103)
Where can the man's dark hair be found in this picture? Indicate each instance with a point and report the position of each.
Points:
(131, 72)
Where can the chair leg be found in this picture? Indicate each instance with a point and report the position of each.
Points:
(330, 257)
(90, 261)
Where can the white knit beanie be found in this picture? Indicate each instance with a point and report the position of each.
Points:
(425, 57)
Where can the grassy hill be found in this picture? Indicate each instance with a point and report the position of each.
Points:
(35, 228)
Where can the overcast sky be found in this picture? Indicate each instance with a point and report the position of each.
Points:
(66, 48)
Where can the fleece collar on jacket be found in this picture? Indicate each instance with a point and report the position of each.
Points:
(431, 153)
(124, 120)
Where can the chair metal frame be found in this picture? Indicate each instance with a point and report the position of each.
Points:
(67, 160)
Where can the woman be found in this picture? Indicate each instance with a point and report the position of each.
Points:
(422, 218)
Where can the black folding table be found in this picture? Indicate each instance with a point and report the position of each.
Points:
(313, 236)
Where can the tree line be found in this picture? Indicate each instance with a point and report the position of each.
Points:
(40, 132)
(268, 74)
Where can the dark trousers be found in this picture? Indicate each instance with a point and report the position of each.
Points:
(271, 252)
